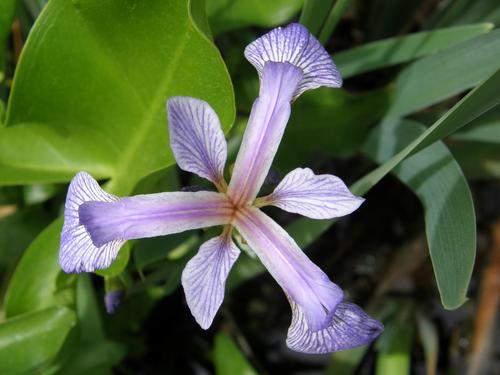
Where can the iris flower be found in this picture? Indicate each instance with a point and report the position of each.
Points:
(289, 61)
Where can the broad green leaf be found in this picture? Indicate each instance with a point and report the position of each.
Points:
(401, 49)
(228, 358)
(394, 346)
(450, 223)
(7, 11)
(29, 342)
(479, 160)
(38, 281)
(225, 15)
(96, 358)
(17, 231)
(108, 79)
(447, 73)
(314, 14)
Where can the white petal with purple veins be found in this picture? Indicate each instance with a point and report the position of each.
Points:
(96, 223)
(303, 282)
(77, 252)
(316, 196)
(349, 327)
(294, 44)
(196, 137)
(205, 276)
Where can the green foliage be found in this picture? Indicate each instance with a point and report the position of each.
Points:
(436, 178)
(7, 11)
(401, 49)
(30, 341)
(102, 66)
(225, 15)
(89, 93)
(228, 358)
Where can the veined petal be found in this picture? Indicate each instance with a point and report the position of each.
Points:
(77, 252)
(204, 277)
(349, 327)
(316, 196)
(303, 282)
(294, 44)
(264, 131)
(97, 224)
(196, 138)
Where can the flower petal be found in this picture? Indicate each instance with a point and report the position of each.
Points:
(77, 252)
(205, 276)
(196, 138)
(349, 327)
(96, 223)
(294, 44)
(316, 196)
(264, 131)
(304, 282)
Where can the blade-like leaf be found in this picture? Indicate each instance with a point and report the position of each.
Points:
(108, 79)
(31, 341)
(401, 49)
(447, 73)
(450, 223)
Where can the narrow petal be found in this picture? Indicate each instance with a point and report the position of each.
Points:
(205, 276)
(294, 44)
(316, 196)
(77, 252)
(303, 282)
(196, 138)
(97, 223)
(349, 327)
(264, 131)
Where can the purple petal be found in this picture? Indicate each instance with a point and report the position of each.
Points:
(295, 45)
(196, 138)
(304, 283)
(97, 223)
(77, 252)
(316, 196)
(264, 131)
(349, 327)
(205, 275)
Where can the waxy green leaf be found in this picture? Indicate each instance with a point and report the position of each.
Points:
(108, 79)
(29, 342)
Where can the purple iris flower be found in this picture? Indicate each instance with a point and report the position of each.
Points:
(289, 61)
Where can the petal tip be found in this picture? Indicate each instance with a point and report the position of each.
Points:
(350, 327)
(77, 250)
(294, 44)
